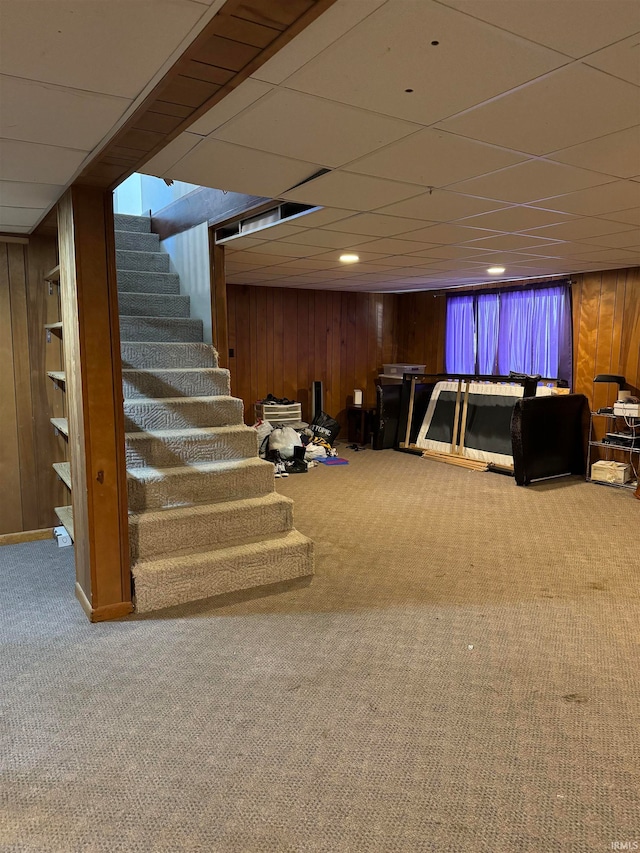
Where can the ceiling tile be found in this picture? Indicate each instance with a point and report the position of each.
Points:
(324, 216)
(394, 41)
(580, 229)
(614, 154)
(440, 206)
(632, 216)
(19, 216)
(260, 259)
(509, 242)
(277, 232)
(334, 256)
(288, 250)
(567, 107)
(449, 233)
(109, 46)
(516, 218)
(333, 23)
(558, 250)
(217, 164)
(433, 158)
(621, 240)
(530, 181)
(246, 242)
(311, 264)
(312, 129)
(611, 255)
(450, 252)
(40, 164)
(328, 239)
(230, 106)
(32, 112)
(620, 59)
(574, 28)
(394, 246)
(22, 194)
(415, 260)
(597, 200)
(355, 191)
(170, 155)
(375, 225)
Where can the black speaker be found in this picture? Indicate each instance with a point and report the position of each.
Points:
(317, 399)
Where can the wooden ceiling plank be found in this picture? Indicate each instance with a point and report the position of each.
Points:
(225, 53)
(206, 72)
(158, 122)
(189, 92)
(248, 32)
(141, 140)
(168, 109)
(278, 14)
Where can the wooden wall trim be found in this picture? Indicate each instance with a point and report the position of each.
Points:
(26, 536)
(219, 309)
(94, 395)
(240, 38)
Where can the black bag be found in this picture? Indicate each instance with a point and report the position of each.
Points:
(325, 427)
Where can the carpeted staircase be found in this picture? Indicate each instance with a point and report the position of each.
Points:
(204, 518)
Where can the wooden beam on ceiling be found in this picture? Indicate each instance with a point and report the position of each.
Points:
(240, 38)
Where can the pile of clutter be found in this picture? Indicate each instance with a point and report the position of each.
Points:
(291, 444)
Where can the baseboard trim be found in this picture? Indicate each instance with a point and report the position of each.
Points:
(104, 613)
(26, 536)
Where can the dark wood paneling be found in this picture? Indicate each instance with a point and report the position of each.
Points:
(28, 446)
(421, 324)
(204, 205)
(284, 339)
(94, 399)
(219, 310)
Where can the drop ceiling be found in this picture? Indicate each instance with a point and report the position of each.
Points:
(458, 134)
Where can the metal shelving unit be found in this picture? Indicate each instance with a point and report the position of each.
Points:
(633, 452)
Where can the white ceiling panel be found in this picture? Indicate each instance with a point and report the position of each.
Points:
(451, 253)
(170, 155)
(415, 260)
(620, 59)
(324, 216)
(632, 216)
(375, 225)
(217, 164)
(344, 189)
(332, 24)
(40, 164)
(580, 229)
(510, 242)
(328, 239)
(20, 216)
(448, 233)
(22, 194)
(616, 256)
(558, 250)
(312, 129)
(531, 181)
(393, 246)
(230, 106)
(108, 46)
(39, 112)
(597, 200)
(567, 107)
(395, 44)
(440, 206)
(519, 218)
(574, 28)
(284, 249)
(434, 158)
(614, 154)
(620, 240)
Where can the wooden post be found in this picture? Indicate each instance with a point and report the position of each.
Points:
(89, 307)
(219, 317)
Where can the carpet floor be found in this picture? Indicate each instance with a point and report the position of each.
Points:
(462, 674)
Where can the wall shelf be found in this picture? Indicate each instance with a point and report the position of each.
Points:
(54, 274)
(63, 470)
(633, 452)
(62, 425)
(57, 375)
(65, 514)
(54, 328)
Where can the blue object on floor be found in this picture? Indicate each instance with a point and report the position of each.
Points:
(333, 460)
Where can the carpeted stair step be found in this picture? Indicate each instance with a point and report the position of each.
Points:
(167, 448)
(201, 574)
(153, 305)
(146, 261)
(138, 281)
(160, 488)
(136, 241)
(160, 532)
(126, 222)
(176, 382)
(167, 329)
(176, 413)
(156, 355)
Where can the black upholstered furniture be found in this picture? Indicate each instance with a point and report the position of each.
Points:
(549, 436)
(385, 429)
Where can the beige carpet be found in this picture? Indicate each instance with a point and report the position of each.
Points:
(462, 674)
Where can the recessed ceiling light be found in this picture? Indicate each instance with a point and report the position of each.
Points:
(495, 270)
(349, 259)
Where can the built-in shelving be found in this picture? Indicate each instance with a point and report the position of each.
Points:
(63, 470)
(65, 514)
(54, 328)
(62, 425)
(53, 274)
(632, 450)
(57, 375)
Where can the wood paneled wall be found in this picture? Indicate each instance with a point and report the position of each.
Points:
(29, 488)
(421, 327)
(606, 331)
(284, 339)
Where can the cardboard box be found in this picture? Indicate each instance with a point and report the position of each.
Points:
(611, 472)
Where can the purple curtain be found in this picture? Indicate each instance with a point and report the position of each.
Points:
(488, 311)
(535, 332)
(527, 331)
(460, 339)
